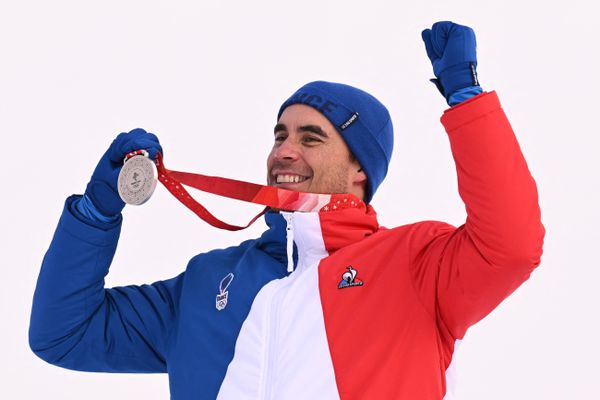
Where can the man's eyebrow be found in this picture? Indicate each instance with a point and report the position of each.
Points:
(279, 127)
(316, 129)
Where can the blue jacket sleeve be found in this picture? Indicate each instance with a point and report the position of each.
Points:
(78, 324)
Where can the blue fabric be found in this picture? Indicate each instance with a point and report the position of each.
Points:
(452, 50)
(82, 216)
(78, 324)
(102, 188)
(464, 94)
(87, 209)
(362, 121)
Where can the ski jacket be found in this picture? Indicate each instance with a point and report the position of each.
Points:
(367, 313)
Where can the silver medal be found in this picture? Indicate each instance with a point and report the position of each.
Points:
(137, 180)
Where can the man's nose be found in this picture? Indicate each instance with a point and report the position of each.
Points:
(288, 150)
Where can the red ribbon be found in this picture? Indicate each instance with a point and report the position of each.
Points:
(269, 196)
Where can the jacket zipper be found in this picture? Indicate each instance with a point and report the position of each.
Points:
(289, 233)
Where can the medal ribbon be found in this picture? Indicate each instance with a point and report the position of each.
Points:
(269, 196)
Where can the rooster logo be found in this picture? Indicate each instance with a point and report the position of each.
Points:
(349, 278)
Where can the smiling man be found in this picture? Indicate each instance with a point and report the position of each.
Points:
(336, 136)
(325, 304)
(310, 156)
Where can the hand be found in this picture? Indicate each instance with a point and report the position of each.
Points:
(102, 188)
(452, 51)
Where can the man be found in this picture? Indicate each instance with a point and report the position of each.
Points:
(325, 304)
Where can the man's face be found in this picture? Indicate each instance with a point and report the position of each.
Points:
(309, 155)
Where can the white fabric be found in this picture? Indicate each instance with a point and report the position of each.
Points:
(272, 359)
(451, 375)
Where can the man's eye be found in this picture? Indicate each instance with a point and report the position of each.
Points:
(279, 138)
(310, 139)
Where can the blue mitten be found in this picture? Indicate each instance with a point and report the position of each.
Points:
(452, 51)
(102, 188)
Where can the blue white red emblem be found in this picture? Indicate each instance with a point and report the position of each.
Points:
(221, 301)
(349, 278)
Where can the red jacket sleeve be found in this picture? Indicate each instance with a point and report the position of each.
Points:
(477, 265)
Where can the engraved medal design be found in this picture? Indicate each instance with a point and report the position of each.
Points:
(137, 179)
(221, 301)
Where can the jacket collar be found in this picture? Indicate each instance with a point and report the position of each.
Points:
(343, 221)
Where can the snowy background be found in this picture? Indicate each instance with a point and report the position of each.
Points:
(208, 77)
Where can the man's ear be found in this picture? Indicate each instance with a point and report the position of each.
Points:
(359, 176)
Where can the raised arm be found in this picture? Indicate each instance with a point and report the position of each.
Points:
(75, 322)
(471, 269)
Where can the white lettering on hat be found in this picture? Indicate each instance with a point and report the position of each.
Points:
(346, 124)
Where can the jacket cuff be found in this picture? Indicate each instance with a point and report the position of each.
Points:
(469, 110)
(93, 232)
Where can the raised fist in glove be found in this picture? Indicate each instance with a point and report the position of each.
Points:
(102, 188)
(452, 51)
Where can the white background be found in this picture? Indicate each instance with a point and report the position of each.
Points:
(208, 77)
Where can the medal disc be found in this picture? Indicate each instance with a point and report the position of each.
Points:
(137, 180)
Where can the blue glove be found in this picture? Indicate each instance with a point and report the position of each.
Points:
(102, 188)
(452, 51)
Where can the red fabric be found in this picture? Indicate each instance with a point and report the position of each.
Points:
(424, 284)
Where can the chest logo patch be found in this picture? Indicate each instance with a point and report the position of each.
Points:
(349, 278)
(221, 301)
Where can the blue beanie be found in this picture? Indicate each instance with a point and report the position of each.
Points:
(362, 121)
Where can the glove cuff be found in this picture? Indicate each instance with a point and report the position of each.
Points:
(111, 204)
(464, 94)
(456, 77)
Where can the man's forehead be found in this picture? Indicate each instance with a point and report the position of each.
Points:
(301, 115)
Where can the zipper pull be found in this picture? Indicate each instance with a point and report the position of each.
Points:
(289, 232)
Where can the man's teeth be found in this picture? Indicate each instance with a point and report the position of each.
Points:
(290, 178)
